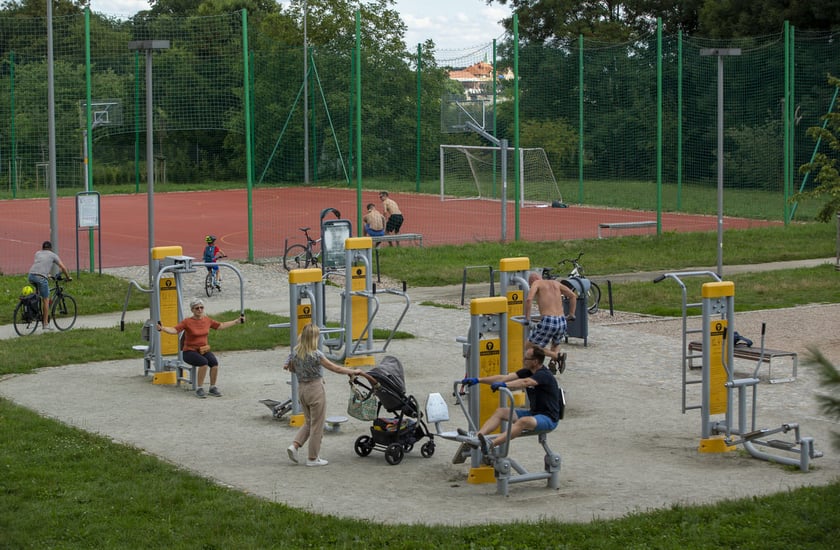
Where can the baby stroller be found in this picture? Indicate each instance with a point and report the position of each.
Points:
(396, 435)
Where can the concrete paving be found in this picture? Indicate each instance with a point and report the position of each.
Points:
(626, 447)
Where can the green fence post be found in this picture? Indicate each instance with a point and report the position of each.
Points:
(679, 119)
(13, 138)
(358, 118)
(659, 126)
(418, 141)
(516, 121)
(580, 119)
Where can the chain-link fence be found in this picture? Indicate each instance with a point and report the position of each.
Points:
(628, 126)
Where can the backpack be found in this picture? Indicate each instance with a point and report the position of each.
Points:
(210, 253)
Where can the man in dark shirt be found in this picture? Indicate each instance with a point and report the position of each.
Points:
(543, 394)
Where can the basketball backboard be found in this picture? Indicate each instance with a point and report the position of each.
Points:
(106, 112)
(459, 114)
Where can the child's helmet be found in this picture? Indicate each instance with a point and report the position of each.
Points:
(27, 290)
(210, 239)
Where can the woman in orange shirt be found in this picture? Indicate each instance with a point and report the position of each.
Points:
(196, 348)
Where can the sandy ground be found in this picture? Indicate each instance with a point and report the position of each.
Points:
(625, 443)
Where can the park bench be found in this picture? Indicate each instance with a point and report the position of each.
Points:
(754, 354)
(615, 226)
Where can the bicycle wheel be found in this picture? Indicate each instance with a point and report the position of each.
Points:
(23, 320)
(593, 298)
(295, 258)
(63, 312)
(209, 284)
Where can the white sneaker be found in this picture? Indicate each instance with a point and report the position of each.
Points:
(46, 327)
(317, 462)
(293, 453)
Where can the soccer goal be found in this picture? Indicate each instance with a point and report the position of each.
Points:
(475, 172)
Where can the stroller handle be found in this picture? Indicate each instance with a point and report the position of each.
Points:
(369, 389)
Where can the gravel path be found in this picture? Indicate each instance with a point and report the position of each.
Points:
(625, 444)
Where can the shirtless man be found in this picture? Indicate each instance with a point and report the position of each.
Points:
(552, 326)
(393, 213)
(374, 222)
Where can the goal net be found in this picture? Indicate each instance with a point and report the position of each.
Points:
(475, 172)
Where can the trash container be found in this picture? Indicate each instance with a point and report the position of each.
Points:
(579, 328)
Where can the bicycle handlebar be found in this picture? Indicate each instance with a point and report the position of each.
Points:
(573, 261)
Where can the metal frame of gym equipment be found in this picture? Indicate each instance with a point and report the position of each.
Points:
(168, 260)
(356, 307)
(513, 284)
(359, 306)
(719, 384)
(485, 351)
(304, 284)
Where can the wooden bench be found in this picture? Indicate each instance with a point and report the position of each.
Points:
(624, 225)
(754, 354)
(415, 237)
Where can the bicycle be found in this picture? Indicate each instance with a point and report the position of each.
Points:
(28, 314)
(211, 282)
(593, 295)
(299, 256)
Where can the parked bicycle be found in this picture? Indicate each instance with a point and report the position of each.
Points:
(298, 256)
(212, 283)
(28, 315)
(593, 295)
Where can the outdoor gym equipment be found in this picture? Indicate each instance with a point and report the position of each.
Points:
(351, 342)
(719, 385)
(168, 266)
(485, 351)
(513, 281)
(360, 305)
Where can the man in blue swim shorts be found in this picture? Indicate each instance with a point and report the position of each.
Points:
(551, 328)
(543, 395)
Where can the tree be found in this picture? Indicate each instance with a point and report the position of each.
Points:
(546, 21)
(824, 167)
(727, 19)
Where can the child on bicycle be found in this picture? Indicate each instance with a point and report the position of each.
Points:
(211, 254)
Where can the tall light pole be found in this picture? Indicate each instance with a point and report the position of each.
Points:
(720, 53)
(51, 178)
(150, 46)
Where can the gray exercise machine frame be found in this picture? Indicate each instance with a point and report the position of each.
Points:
(751, 438)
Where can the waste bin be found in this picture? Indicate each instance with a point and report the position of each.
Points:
(579, 328)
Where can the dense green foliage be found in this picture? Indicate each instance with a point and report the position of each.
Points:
(547, 20)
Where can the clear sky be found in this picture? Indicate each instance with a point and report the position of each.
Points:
(452, 24)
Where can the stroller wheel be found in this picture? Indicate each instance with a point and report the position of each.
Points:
(364, 445)
(428, 449)
(394, 454)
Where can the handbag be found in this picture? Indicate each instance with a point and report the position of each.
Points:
(362, 407)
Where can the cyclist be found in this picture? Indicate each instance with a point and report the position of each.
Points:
(211, 254)
(39, 275)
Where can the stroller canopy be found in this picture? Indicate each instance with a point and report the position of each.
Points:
(390, 374)
(391, 390)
